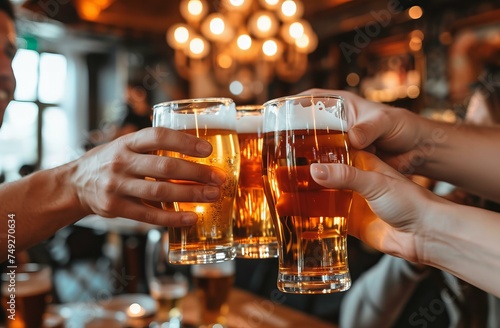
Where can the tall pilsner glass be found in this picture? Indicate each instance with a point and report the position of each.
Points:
(210, 240)
(311, 223)
(253, 228)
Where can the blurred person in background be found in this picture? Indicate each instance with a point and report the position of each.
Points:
(138, 109)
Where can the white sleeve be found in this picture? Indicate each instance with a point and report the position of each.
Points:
(379, 295)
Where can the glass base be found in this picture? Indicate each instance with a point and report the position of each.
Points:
(257, 251)
(201, 256)
(314, 284)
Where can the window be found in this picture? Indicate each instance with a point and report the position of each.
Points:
(37, 105)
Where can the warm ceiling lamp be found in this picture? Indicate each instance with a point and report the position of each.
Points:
(264, 37)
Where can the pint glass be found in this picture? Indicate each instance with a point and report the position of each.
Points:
(253, 227)
(311, 222)
(213, 119)
(25, 294)
(213, 284)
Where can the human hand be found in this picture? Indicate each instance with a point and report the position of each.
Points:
(395, 134)
(110, 180)
(388, 211)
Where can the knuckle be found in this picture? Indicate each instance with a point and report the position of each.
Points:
(107, 207)
(158, 134)
(151, 217)
(109, 185)
(167, 164)
(159, 191)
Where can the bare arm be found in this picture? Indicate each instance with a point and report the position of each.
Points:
(109, 181)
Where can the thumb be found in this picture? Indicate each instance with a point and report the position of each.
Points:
(369, 184)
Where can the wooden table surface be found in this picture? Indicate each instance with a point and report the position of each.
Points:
(247, 310)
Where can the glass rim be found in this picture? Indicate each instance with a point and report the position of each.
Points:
(222, 100)
(249, 107)
(303, 96)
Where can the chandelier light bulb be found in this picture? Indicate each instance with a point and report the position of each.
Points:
(264, 23)
(296, 30)
(198, 48)
(217, 26)
(242, 6)
(195, 7)
(270, 48)
(271, 2)
(302, 41)
(181, 34)
(244, 42)
(193, 10)
(289, 8)
(237, 3)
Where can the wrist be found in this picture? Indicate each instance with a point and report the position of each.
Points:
(69, 200)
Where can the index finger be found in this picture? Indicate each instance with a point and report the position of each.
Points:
(156, 138)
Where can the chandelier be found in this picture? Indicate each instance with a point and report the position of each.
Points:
(243, 44)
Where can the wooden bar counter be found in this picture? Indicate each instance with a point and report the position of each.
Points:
(247, 310)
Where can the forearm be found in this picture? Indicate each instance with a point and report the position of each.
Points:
(464, 241)
(378, 297)
(40, 204)
(463, 155)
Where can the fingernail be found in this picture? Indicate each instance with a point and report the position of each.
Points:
(218, 177)
(211, 193)
(189, 218)
(319, 171)
(204, 147)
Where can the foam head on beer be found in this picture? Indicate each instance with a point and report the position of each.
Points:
(297, 114)
(249, 124)
(197, 117)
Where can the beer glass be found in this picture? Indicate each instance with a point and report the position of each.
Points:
(25, 294)
(253, 228)
(166, 286)
(311, 221)
(213, 284)
(213, 119)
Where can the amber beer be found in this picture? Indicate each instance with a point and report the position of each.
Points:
(213, 284)
(25, 295)
(211, 238)
(253, 229)
(168, 291)
(312, 220)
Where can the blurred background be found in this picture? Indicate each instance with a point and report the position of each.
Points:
(84, 65)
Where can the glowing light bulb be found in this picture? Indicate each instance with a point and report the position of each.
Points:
(296, 30)
(244, 42)
(237, 3)
(264, 23)
(197, 46)
(289, 8)
(270, 48)
(302, 41)
(181, 34)
(195, 7)
(217, 26)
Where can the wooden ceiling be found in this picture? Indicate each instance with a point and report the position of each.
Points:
(327, 17)
(140, 16)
